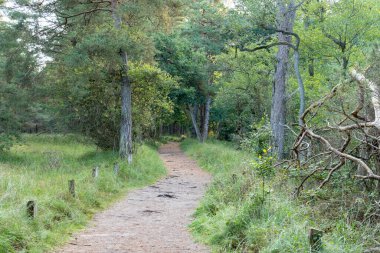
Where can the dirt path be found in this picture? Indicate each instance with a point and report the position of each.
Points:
(152, 219)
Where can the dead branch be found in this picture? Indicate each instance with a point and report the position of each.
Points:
(327, 179)
(370, 174)
(326, 138)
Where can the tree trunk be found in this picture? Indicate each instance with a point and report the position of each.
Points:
(285, 21)
(206, 118)
(375, 95)
(125, 148)
(193, 114)
(345, 61)
(125, 145)
(300, 86)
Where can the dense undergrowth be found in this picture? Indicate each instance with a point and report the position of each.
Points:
(40, 169)
(241, 212)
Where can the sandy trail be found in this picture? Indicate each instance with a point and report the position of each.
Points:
(152, 219)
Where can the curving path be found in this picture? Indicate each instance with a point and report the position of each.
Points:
(152, 219)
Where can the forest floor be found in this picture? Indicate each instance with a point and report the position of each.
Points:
(151, 219)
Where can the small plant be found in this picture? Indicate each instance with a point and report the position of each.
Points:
(263, 167)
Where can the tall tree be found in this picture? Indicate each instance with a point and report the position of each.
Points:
(19, 82)
(125, 144)
(276, 16)
(285, 22)
(88, 23)
(205, 32)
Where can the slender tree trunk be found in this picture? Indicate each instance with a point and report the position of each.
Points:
(285, 21)
(300, 86)
(201, 117)
(206, 118)
(125, 145)
(193, 114)
(125, 149)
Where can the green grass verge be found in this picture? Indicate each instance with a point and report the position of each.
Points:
(238, 215)
(40, 169)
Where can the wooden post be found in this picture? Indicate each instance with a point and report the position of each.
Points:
(95, 172)
(72, 187)
(234, 178)
(315, 240)
(31, 209)
(116, 169)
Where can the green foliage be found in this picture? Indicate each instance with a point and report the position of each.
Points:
(263, 166)
(258, 139)
(243, 94)
(334, 33)
(176, 57)
(206, 28)
(168, 138)
(189, 54)
(19, 80)
(95, 105)
(152, 105)
(27, 174)
(7, 140)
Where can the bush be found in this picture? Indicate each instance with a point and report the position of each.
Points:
(7, 140)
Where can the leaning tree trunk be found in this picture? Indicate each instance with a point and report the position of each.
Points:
(125, 145)
(285, 21)
(207, 118)
(193, 114)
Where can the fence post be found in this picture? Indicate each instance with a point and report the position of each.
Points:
(95, 172)
(31, 209)
(116, 169)
(234, 178)
(315, 240)
(72, 187)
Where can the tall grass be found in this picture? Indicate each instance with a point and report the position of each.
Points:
(238, 215)
(40, 169)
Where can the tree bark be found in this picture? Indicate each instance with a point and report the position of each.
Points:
(285, 21)
(125, 148)
(300, 86)
(125, 144)
(375, 95)
(206, 119)
(193, 114)
(345, 61)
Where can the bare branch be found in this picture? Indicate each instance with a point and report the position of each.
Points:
(284, 43)
(63, 15)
